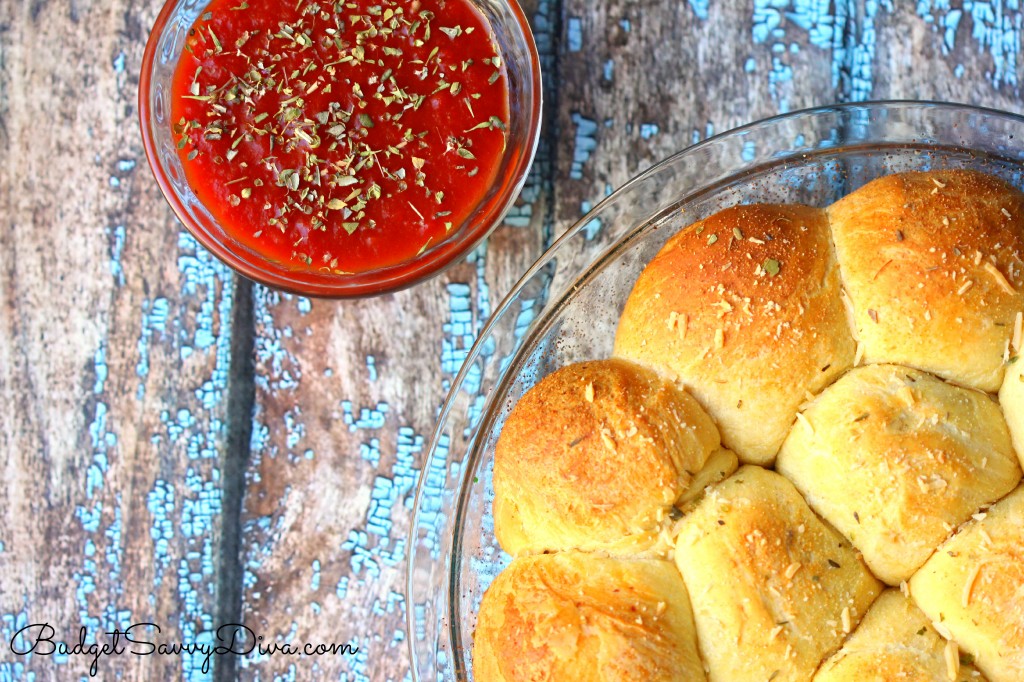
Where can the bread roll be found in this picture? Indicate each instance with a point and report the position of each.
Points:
(760, 311)
(774, 590)
(932, 264)
(1011, 399)
(720, 465)
(973, 587)
(594, 456)
(744, 309)
(896, 643)
(570, 617)
(894, 458)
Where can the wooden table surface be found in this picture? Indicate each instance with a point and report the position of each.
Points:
(183, 448)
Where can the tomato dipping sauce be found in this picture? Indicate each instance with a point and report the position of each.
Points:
(340, 136)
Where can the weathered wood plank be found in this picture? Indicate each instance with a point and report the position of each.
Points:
(115, 335)
(642, 80)
(971, 56)
(114, 349)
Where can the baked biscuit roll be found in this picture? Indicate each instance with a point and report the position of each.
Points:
(744, 309)
(932, 265)
(895, 459)
(594, 456)
(896, 643)
(774, 589)
(972, 589)
(570, 617)
(1011, 399)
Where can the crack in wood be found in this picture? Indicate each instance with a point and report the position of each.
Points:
(241, 396)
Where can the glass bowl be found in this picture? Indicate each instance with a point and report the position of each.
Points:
(519, 55)
(566, 309)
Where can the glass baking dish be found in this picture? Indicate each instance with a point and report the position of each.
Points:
(566, 309)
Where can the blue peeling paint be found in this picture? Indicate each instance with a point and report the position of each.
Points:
(101, 511)
(154, 320)
(700, 8)
(115, 549)
(279, 370)
(767, 17)
(11, 623)
(585, 144)
(538, 180)
(459, 331)
(483, 297)
(863, 52)
(100, 368)
(295, 428)
(520, 215)
(648, 130)
(362, 559)
(370, 452)
(160, 503)
(387, 491)
(697, 135)
(835, 27)
(574, 34)
(824, 30)
(314, 581)
(369, 418)
(432, 508)
(593, 226)
(609, 69)
(749, 151)
(201, 435)
(995, 28)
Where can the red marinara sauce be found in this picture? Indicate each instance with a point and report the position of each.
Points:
(340, 137)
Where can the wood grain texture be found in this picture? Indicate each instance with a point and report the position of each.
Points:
(116, 331)
(951, 55)
(114, 344)
(639, 81)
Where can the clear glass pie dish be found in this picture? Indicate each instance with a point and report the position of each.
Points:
(567, 306)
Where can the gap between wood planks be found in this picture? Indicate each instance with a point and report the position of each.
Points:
(241, 389)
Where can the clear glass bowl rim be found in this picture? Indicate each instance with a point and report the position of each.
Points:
(371, 283)
(552, 251)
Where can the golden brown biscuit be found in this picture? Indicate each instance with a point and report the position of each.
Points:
(594, 456)
(932, 264)
(896, 643)
(570, 617)
(720, 465)
(1011, 399)
(744, 309)
(972, 589)
(774, 590)
(895, 459)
